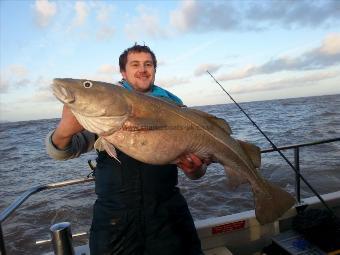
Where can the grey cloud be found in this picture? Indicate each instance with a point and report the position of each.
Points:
(202, 69)
(15, 76)
(7, 85)
(4, 86)
(306, 80)
(318, 58)
(201, 16)
(311, 60)
(291, 13)
(43, 92)
(22, 82)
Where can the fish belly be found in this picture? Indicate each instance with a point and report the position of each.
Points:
(156, 146)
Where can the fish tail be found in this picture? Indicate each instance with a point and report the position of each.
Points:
(270, 205)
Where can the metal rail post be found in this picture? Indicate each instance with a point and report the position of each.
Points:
(62, 238)
(2, 242)
(297, 174)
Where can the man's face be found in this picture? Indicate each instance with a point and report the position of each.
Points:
(139, 71)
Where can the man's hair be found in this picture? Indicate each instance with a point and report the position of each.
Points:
(135, 48)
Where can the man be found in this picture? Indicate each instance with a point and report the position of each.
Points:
(139, 209)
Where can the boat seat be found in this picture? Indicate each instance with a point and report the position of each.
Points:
(218, 251)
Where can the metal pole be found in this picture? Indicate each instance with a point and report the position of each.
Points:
(2, 243)
(276, 149)
(62, 238)
(297, 174)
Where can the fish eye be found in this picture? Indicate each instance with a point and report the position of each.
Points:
(87, 84)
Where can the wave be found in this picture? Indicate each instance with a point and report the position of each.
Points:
(287, 121)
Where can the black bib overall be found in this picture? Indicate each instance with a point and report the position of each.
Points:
(139, 210)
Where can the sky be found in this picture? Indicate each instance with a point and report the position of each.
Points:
(258, 50)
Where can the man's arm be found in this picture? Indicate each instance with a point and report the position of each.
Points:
(69, 139)
(67, 127)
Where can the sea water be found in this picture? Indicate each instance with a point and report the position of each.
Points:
(25, 164)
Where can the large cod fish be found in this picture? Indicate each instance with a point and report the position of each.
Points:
(158, 132)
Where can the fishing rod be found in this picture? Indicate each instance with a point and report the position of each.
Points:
(276, 148)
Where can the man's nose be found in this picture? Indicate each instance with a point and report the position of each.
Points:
(141, 68)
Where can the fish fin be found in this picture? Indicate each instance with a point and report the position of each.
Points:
(252, 151)
(102, 145)
(217, 121)
(222, 124)
(269, 206)
(102, 125)
(98, 144)
(235, 179)
(202, 114)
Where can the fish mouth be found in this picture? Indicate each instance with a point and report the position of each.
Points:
(62, 93)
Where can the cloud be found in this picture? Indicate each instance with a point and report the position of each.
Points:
(105, 33)
(106, 30)
(81, 13)
(309, 79)
(172, 82)
(108, 69)
(186, 16)
(44, 11)
(7, 84)
(104, 12)
(43, 96)
(198, 16)
(331, 44)
(241, 73)
(146, 23)
(43, 82)
(18, 71)
(291, 13)
(14, 76)
(202, 69)
(43, 91)
(105, 72)
(22, 82)
(4, 85)
(326, 55)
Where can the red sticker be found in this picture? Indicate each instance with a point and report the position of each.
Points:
(229, 227)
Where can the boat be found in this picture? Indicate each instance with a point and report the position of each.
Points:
(239, 233)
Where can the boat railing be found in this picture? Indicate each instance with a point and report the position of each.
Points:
(23, 197)
(296, 148)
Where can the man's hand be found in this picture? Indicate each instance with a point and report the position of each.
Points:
(193, 167)
(67, 127)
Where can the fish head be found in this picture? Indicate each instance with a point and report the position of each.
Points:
(98, 106)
